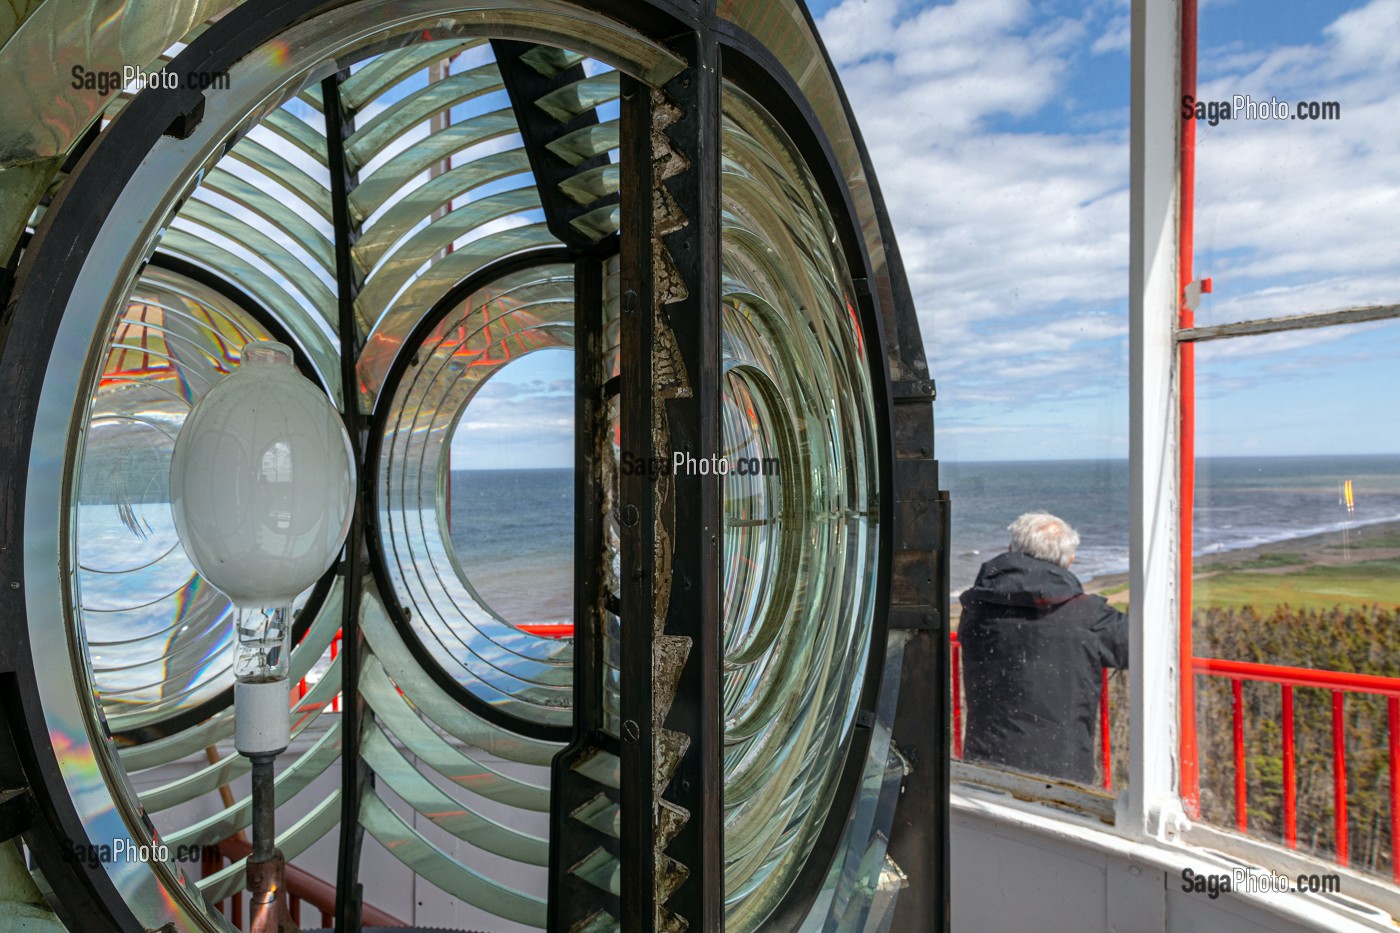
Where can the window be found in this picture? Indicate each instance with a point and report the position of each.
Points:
(1291, 582)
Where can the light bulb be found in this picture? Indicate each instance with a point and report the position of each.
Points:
(262, 484)
(262, 481)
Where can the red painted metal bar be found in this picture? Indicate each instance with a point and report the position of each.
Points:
(957, 698)
(1186, 363)
(335, 652)
(550, 630)
(1299, 676)
(1106, 733)
(1393, 716)
(1339, 684)
(1339, 774)
(304, 887)
(1290, 773)
(1241, 787)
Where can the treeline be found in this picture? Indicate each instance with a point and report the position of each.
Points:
(1353, 640)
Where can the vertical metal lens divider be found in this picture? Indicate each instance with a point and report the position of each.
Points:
(354, 772)
(919, 597)
(572, 898)
(671, 777)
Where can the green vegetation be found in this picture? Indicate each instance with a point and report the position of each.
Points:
(1355, 639)
(1300, 606)
(1385, 539)
(1362, 640)
(1266, 561)
(1319, 586)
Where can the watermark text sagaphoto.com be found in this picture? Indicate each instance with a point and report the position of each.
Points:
(1254, 881)
(684, 464)
(126, 850)
(1244, 107)
(135, 80)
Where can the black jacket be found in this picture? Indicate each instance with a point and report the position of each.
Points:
(1033, 648)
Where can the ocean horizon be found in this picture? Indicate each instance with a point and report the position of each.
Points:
(1241, 502)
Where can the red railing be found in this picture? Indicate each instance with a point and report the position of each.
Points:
(302, 888)
(1105, 728)
(1340, 684)
(1287, 678)
(550, 630)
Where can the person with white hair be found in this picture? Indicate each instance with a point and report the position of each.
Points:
(1033, 649)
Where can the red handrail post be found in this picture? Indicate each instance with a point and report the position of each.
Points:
(1339, 775)
(1290, 774)
(1393, 715)
(1241, 786)
(1106, 733)
(957, 697)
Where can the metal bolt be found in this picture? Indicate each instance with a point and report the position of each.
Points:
(629, 301)
(631, 731)
(14, 584)
(636, 573)
(630, 516)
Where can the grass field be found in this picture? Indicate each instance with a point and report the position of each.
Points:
(1301, 585)
(1360, 568)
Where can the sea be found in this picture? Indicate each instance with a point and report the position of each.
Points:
(1240, 502)
(513, 529)
(512, 533)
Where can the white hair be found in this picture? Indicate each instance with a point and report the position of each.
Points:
(1045, 537)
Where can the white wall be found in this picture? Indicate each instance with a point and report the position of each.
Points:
(1022, 866)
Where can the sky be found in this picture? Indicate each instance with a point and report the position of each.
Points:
(522, 417)
(999, 133)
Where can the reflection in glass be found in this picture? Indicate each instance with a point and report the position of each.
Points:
(1295, 201)
(157, 634)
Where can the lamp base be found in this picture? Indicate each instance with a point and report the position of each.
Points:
(268, 908)
(262, 717)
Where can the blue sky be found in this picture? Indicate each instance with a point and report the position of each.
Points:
(521, 418)
(999, 131)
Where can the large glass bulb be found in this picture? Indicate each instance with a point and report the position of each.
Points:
(261, 485)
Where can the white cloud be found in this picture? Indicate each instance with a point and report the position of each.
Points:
(1015, 239)
(1296, 216)
(1006, 176)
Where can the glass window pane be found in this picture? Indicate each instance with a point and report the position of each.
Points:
(1001, 142)
(1295, 213)
(1297, 581)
